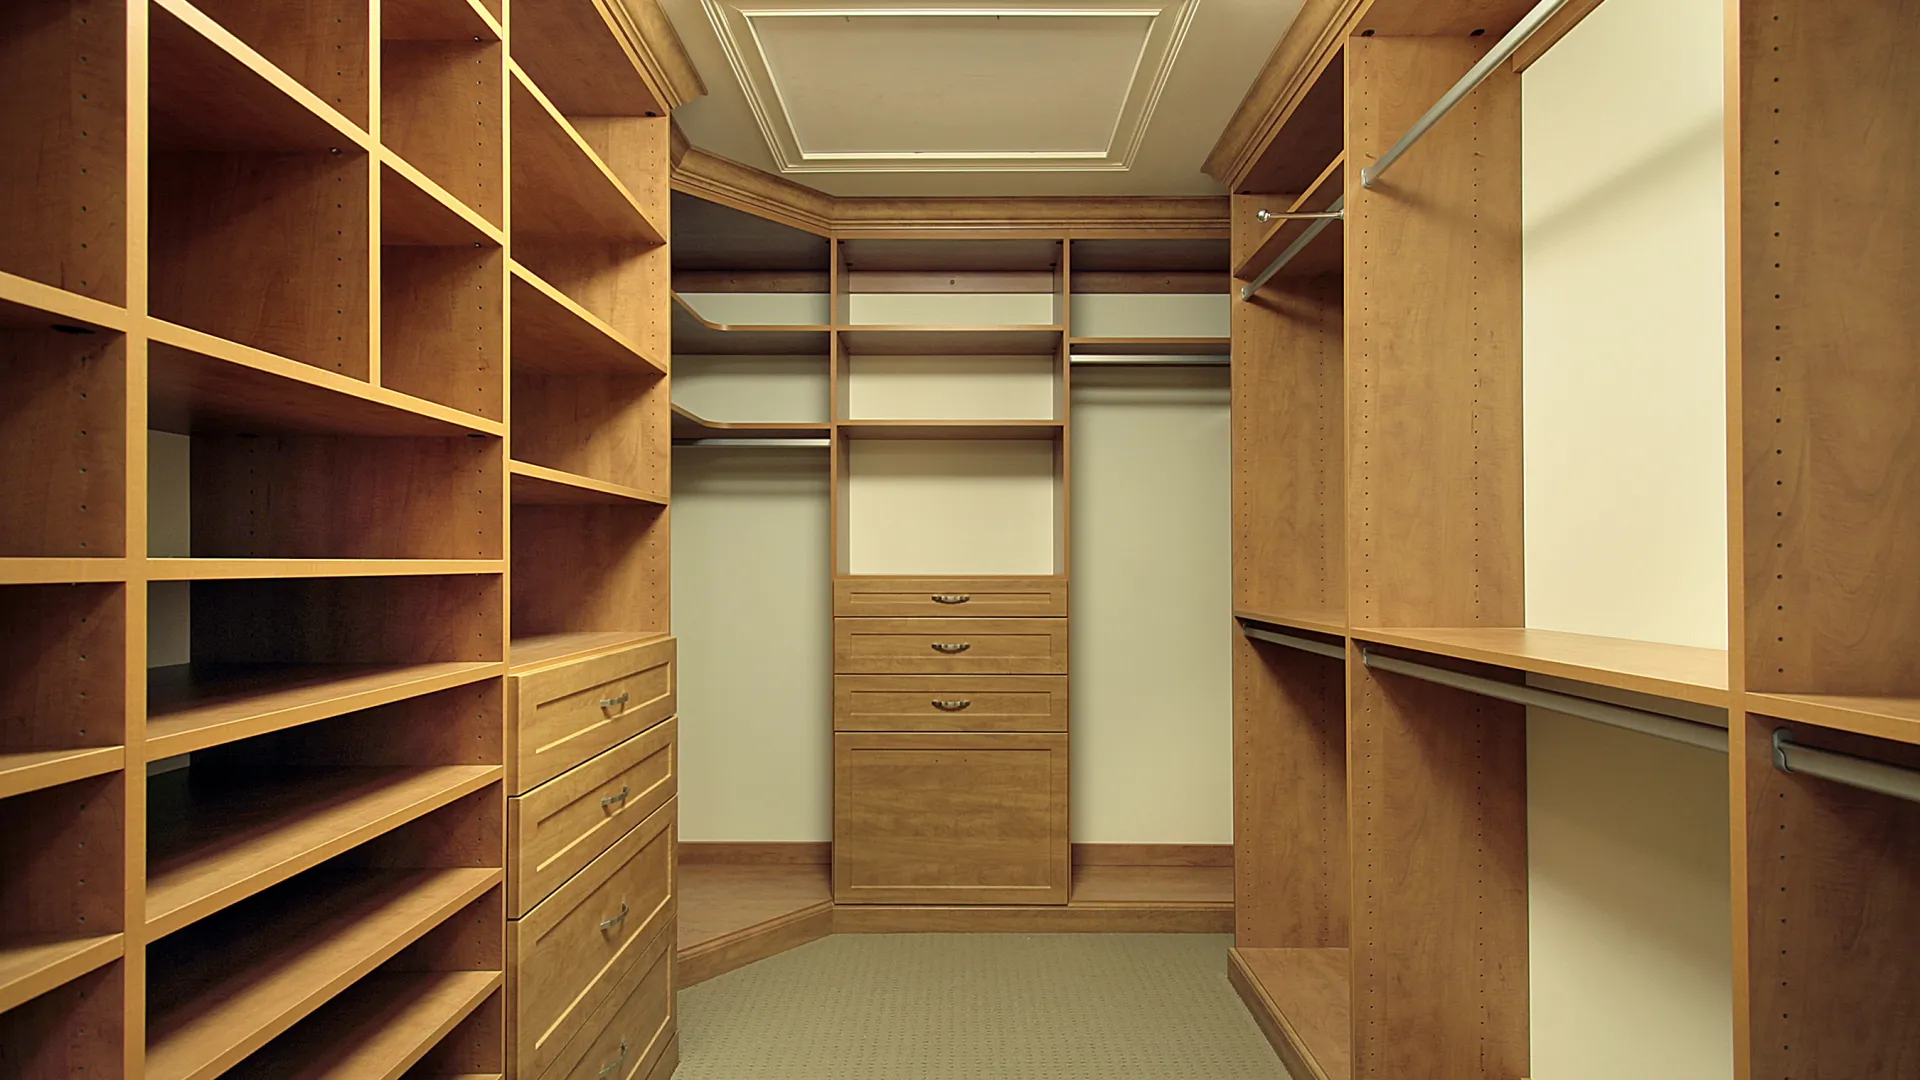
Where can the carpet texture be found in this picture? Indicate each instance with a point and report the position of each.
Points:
(978, 1007)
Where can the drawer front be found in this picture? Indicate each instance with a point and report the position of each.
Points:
(556, 829)
(948, 598)
(950, 703)
(950, 646)
(568, 712)
(950, 819)
(572, 950)
(632, 1029)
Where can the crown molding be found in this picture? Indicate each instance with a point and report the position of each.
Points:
(1317, 33)
(744, 187)
(656, 49)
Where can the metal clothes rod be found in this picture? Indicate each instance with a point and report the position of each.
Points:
(1704, 736)
(1501, 53)
(1336, 212)
(754, 442)
(1857, 772)
(1291, 642)
(1171, 360)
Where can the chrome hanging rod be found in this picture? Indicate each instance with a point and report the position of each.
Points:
(1170, 360)
(1321, 219)
(1875, 776)
(1314, 215)
(1661, 725)
(755, 443)
(1501, 53)
(1323, 648)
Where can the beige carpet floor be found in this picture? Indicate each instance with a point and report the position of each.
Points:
(977, 1007)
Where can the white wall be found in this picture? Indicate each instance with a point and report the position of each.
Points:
(169, 535)
(1626, 534)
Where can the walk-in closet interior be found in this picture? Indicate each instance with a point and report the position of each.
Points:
(1330, 539)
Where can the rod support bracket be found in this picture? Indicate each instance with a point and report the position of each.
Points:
(1782, 741)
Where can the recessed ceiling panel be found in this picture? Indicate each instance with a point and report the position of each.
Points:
(943, 85)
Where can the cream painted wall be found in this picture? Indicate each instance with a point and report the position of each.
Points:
(770, 309)
(169, 535)
(1152, 315)
(952, 309)
(1626, 534)
(1152, 645)
(752, 388)
(950, 506)
(950, 387)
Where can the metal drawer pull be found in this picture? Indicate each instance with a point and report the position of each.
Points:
(952, 646)
(616, 702)
(611, 1067)
(951, 706)
(608, 924)
(956, 598)
(620, 798)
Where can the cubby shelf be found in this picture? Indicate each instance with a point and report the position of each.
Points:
(580, 55)
(1894, 718)
(951, 340)
(562, 190)
(1319, 622)
(687, 425)
(695, 335)
(272, 966)
(22, 771)
(437, 20)
(554, 335)
(213, 91)
(193, 706)
(255, 569)
(32, 966)
(416, 210)
(1324, 255)
(950, 429)
(533, 650)
(1680, 672)
(378, 1029)
(1150, 346)
(1301, 998)
(207, 854)
(537, 485)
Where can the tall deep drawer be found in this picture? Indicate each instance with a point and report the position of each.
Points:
(556, 829)
(950, 703)
(947, 598)
(632, 1028)
(950, 646)
(567, 711)
(574, 947)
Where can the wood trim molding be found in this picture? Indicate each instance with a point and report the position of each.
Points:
(1153, 854)
(758, 942)
(1317, 33)
(657, 47)
(1559, 26)
(752, 190)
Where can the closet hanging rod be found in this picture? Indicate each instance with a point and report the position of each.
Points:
(1170, 360)
(1324, 648)
(1336, 212)
(1857, 772)
(754, 442)
(1508, 45)
(1661, 725)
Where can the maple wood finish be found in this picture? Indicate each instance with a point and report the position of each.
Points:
(556, 829)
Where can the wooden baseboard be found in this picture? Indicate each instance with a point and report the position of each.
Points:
(1153, 855)
(757, 942)
(1069, 919)
(754, 853)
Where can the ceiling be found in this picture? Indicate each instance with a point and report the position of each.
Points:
(975, 97)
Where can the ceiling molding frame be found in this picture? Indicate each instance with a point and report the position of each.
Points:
(745, 188)
(742, 26)
(1317, 34)
(657, 51)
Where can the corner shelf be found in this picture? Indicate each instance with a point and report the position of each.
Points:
(32, 966)
(537, 485)
(687, 425)
(951, 429)
(554, 335)
(562, 190)
(22, 771)
(1302, 999)
(952, 340)
(1895, 718)
(694, 335)
(379, 1028)
(1679, 672)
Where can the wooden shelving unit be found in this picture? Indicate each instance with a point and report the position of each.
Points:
(254, 780)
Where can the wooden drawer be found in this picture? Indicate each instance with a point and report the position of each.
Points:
(950, 646)
(632, 1029)
(562, 713)
(947, 598)
(950, 703)
(556, 829)
(950, 819)
(572, 950)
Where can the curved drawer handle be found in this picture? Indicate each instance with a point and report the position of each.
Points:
(951, 647)
(608, 924)
(616, 702)
(612, 1066)
(620, 798)
(951, 598)
(951, 706)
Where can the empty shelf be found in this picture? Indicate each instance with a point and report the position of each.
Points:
(1302, 1000)
(529, 651)
(194, 706)
(207, 854)
(553, 335)
(255, 569)
(436, 20)
(1896, 718)
(561, 188)
(694, 335)
(952, 340)
(538, 485)
(211, 91)
(951, 429)
(376, 1030)
(217, 1000)
(580, 55)
(1680, 672)
(688, 426)
(32, 966)
(22, 771)
(1319, 622)
(416, 210)
(1148, 346)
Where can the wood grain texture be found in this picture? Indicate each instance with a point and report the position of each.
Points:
(441, 109)
(474, 1050)
(753, 853)
(63, 851)
(950, 703)
(379, 1028)
(562, 190)
(556, 829)
(616, 428)
(718, 902)
(629, 1035)
(717, 956)
(552, 334)
(1161, 855)
(63, 426)
(1291, 115)
(1894, 719)
(569, 711)
(1682, 672)
(544, 649)
(1433, 388)
(589, 568)
(908, 646)
(906, 597)
(950, 818)
(399, 620)
(1301, 1000)
(443, 326)
(1323, 255)
(1032, 919)
(324, 44)
(1290, 848)
(71, 696)
(37, 1037)
(595, 59)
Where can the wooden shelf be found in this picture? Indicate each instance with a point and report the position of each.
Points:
(1324, 255)
(225, 991)
(378, 1029)
(207, 854)
(1301, 998)
(535, 650)
(256, 569)
(1319, 622)
(733, 915)
(1680, 672)
(553, 335)
(1153, 886)
(193, 706)
(440, 99)
(57, 571)
(687, 425)
(561, 188)
(950, 429)
(694, 335)
(582, 57)
(22, 771)
(537, 485)
(416, 210)
(941, 255)
(26, 304)
(437, 20)
(212, 91)
(322, 51)
(32, 966)
(1895, 718)
(952, 340)
(1143, 346)
(201, 383)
